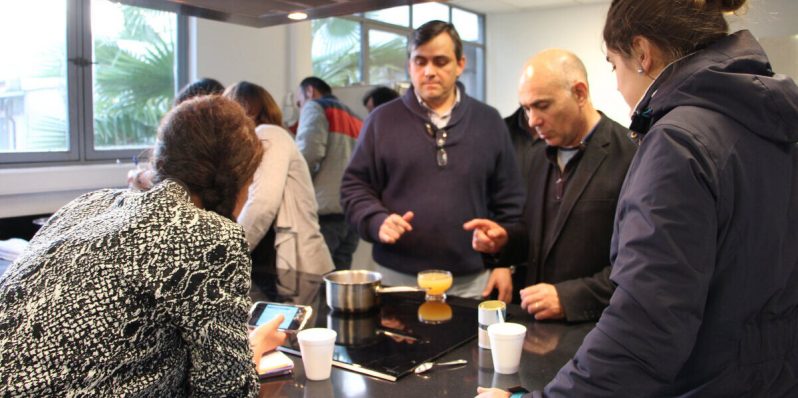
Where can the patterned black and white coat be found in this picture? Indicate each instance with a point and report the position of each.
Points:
(126, 293)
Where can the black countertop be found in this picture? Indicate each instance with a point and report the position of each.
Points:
(548, 346)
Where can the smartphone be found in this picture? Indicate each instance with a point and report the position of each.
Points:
(295, 316)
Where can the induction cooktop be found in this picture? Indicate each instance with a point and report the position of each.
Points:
(390, 341)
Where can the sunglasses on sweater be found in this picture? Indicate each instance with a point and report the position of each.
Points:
(440, 136)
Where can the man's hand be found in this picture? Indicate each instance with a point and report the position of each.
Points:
(266, 338)
(491, 393)
(542, 301)
(489, 237)
(394, 227)
(501, 279)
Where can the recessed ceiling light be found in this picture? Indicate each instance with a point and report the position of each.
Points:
(297, 16)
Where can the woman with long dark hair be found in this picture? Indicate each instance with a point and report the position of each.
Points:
(280, 216)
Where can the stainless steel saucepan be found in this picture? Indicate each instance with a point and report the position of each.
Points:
(357, 290)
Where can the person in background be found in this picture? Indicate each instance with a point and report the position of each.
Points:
(426, 164)
(125, 292)
(204, 86)
(705, 250)
(572, 188)
(378, 96)
(280, 215)
(524, 138)
(141, 176)
(326, 136)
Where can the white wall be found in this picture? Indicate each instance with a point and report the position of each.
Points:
(39, 190)
(767, 18)
(231, 53)
(773, 23)
(513, 38)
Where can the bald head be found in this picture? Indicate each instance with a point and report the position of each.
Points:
(555, 66)
(554, 93)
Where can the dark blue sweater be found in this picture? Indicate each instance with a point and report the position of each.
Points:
(394, 170)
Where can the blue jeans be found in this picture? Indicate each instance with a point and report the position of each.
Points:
(341, 239)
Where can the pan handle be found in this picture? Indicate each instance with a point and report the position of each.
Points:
(398, 289)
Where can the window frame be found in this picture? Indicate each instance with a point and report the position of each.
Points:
(367, 24)
(365, 27)
(79, 84)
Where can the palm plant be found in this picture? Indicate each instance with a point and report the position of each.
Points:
(337, 54)
(388, 61)
(336, 51)
(134, 83)
(48, 131)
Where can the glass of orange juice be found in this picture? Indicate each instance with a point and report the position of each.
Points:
(434, 312)
(436, 282)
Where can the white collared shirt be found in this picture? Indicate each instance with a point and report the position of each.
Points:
(440, 120)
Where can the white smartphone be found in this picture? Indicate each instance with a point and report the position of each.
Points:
(295, 316)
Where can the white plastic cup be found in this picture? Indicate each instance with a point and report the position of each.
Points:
(317, 346)
(488, 313)
(507, 343)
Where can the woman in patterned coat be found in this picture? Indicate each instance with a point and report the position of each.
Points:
(129, 293)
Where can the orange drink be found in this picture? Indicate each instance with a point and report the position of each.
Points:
(433, 312)
(436, 282)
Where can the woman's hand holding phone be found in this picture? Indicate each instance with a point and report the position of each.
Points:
(266, 337)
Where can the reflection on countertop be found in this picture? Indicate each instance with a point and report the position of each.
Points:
(547, 347)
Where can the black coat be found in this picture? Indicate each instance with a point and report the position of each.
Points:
(577, 259)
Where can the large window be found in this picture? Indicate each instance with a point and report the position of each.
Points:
(371, 48)
(33, 77)
(387, 56)
(336, 58)
(89, 81)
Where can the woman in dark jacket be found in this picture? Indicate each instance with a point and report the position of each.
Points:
(705, 250)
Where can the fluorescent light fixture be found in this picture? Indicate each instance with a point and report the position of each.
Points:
(297, 16)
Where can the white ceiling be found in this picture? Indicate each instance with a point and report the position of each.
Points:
(501, 6)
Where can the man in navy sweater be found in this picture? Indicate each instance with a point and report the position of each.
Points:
(425, 164)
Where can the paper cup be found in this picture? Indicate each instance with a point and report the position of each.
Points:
(488, 313)
(507, 343)
(317, 346)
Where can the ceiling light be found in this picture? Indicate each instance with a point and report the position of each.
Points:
(297, 16)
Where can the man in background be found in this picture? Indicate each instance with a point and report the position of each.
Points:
(523, 138)
(378, 96)
(573, 186)
(326, 136)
